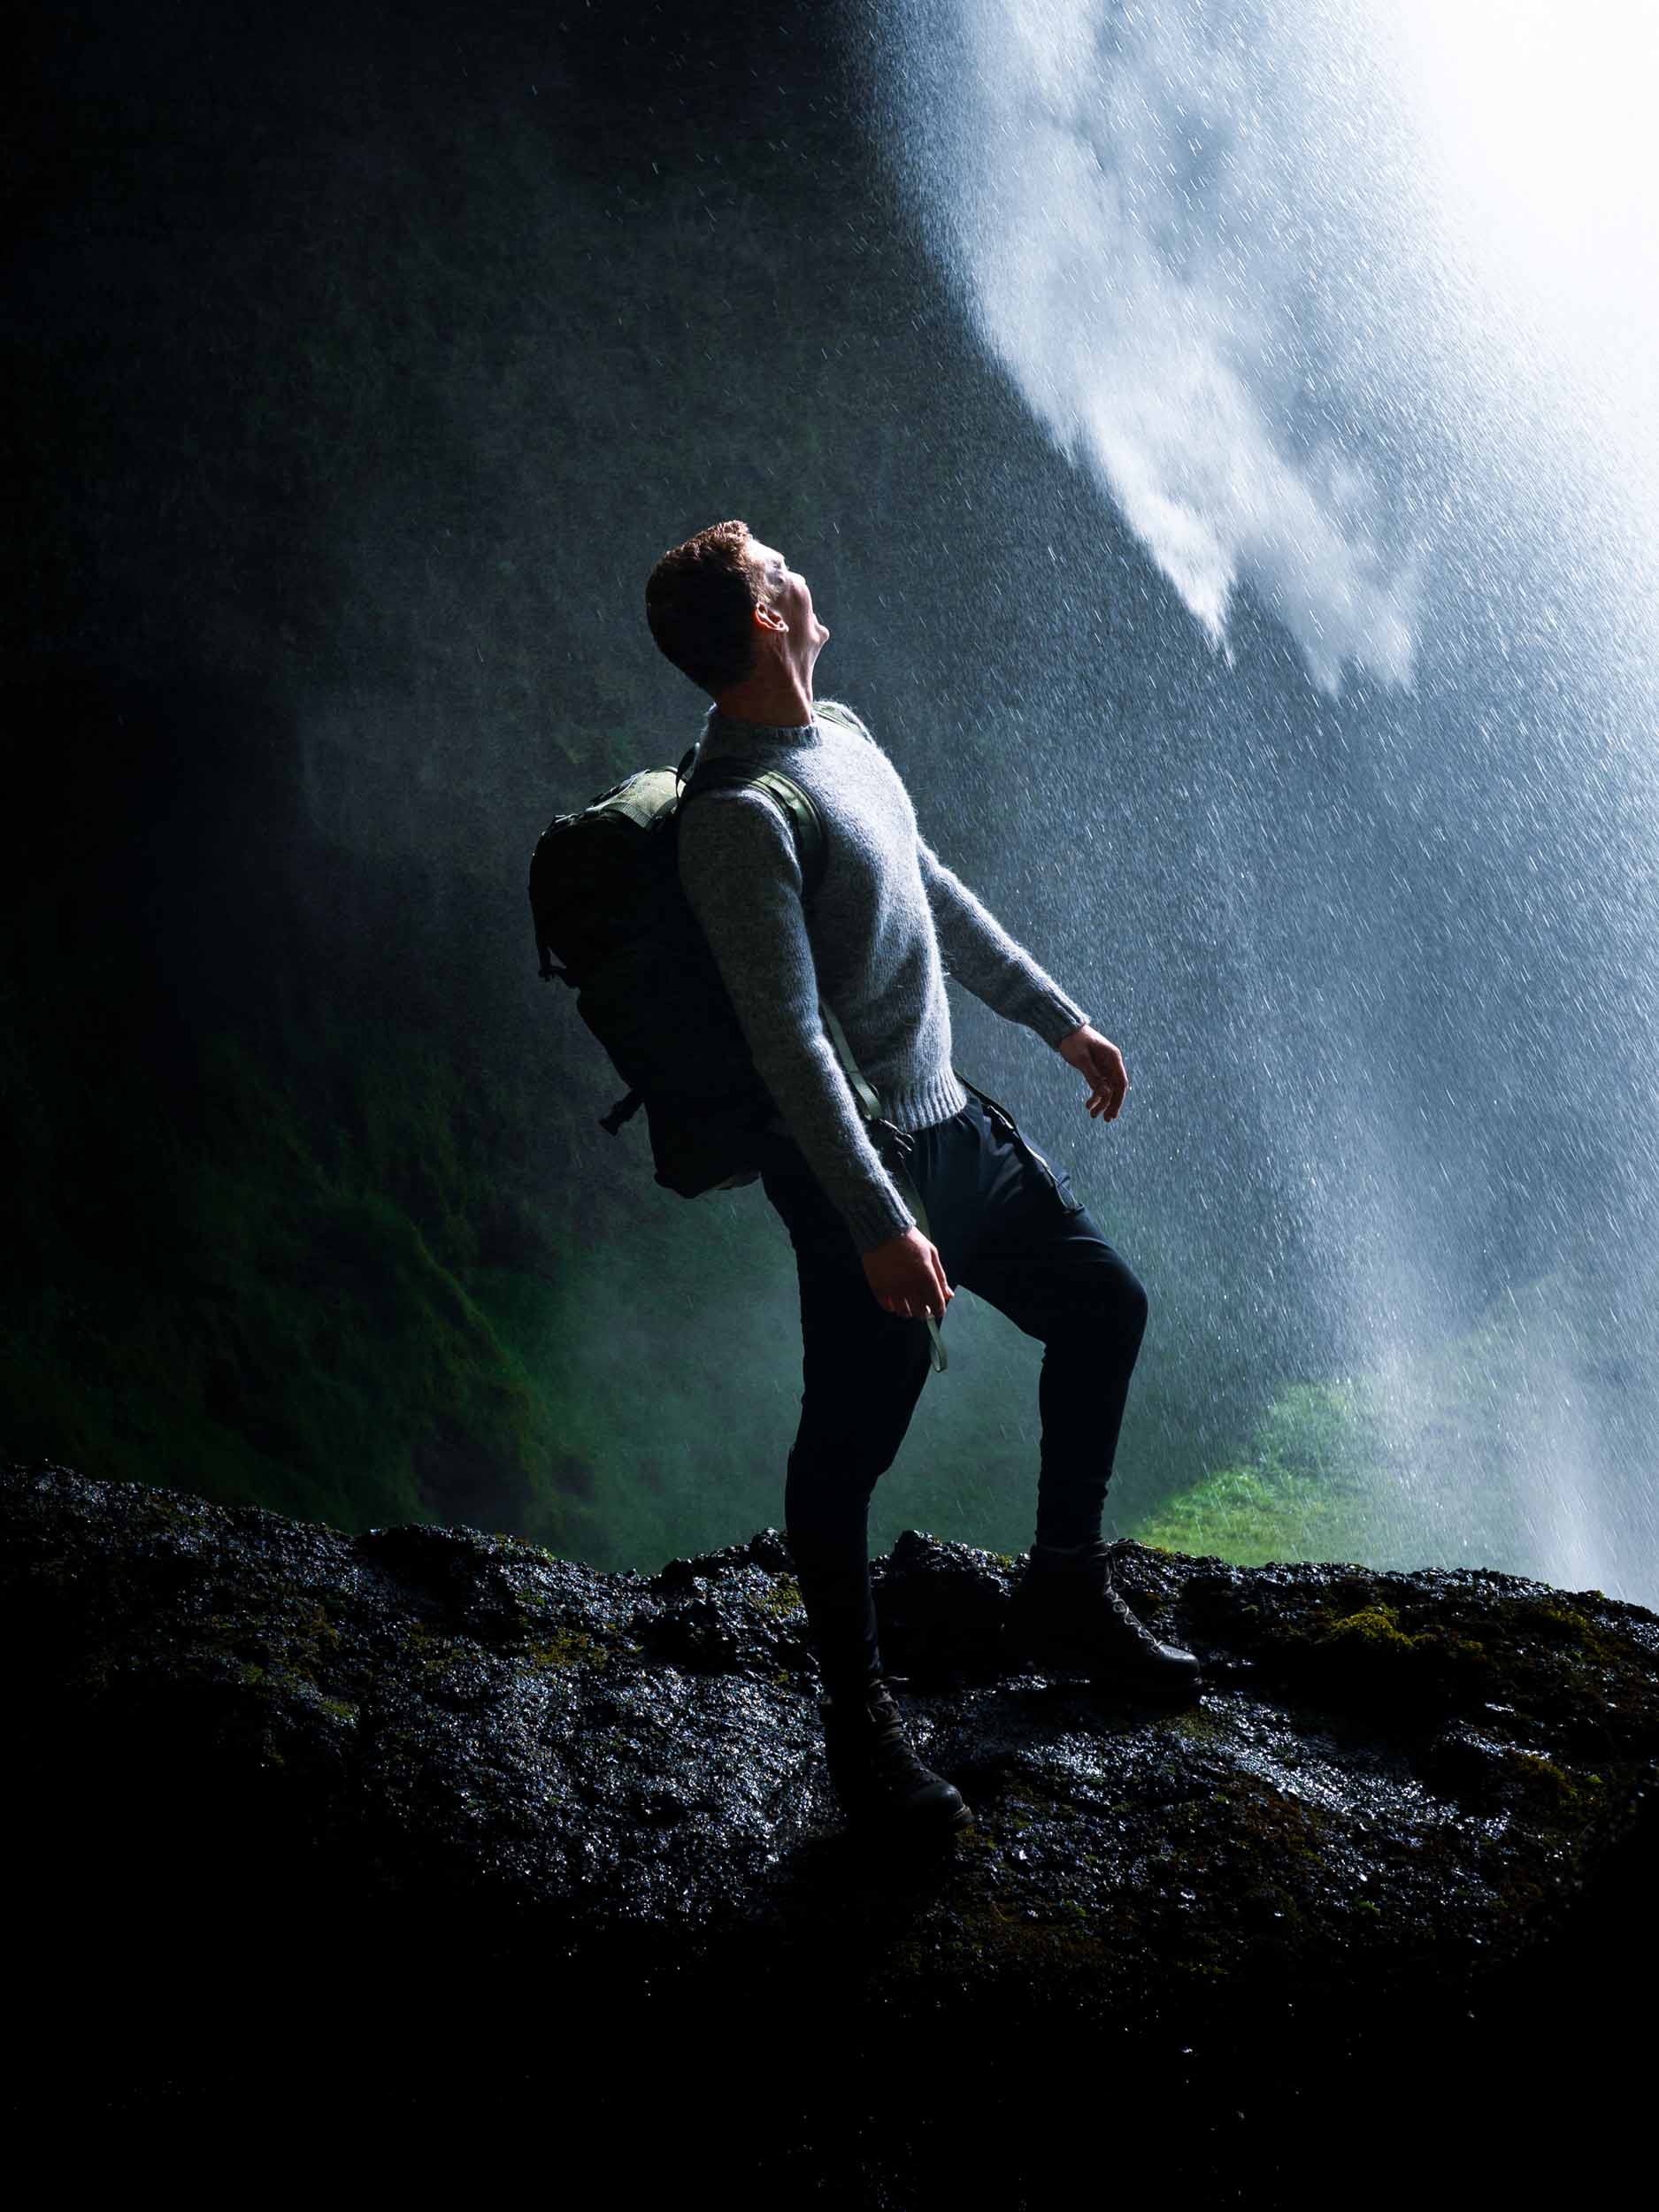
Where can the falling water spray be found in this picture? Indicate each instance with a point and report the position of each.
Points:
(1347, 311)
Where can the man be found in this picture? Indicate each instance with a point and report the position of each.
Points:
(731, 614)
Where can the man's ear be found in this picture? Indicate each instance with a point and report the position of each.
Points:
(769, 618)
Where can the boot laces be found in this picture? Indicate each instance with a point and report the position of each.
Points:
(1121, 1606)
(1097, 1577)
(892, 1755)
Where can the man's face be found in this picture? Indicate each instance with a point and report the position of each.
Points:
(790, 598)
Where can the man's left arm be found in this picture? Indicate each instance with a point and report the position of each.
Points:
(982, 956)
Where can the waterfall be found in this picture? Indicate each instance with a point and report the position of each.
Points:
(1348, 308)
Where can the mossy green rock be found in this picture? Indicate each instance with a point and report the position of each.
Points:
(302, 1795)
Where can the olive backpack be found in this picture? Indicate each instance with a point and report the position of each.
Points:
(612, 923)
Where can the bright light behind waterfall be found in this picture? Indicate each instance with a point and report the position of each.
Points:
(1536, 186)
(1541, 132)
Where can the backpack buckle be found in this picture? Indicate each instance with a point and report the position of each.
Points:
(892, 1142)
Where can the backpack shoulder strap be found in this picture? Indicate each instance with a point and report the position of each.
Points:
(838, 711)
(797, 806)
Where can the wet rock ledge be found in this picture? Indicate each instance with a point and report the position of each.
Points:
(431, 1812)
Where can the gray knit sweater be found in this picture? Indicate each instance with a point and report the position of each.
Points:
(871, 949)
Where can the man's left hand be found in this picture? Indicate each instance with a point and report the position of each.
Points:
(1098, 1058)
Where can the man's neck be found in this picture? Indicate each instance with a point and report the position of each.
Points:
(778, 703)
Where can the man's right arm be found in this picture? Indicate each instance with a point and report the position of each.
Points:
(741, 877)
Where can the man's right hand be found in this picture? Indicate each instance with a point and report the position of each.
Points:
(907, 1278)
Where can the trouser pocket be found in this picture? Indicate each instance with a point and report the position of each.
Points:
(1002, 1121)
(1058, 1181)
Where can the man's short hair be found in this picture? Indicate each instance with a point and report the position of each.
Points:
(700, 601)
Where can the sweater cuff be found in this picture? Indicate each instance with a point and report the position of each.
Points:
(874, 1217)
(1056, 1017)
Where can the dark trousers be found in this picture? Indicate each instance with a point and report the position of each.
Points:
(1009, 1229)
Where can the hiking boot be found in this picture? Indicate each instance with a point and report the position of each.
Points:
(877, 1777)
(1066, 1612)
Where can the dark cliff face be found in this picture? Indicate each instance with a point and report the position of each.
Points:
(436, 1807)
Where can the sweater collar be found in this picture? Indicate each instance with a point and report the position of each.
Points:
(721, 734)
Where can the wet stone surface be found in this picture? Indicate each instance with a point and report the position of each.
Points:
(504, 1773)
